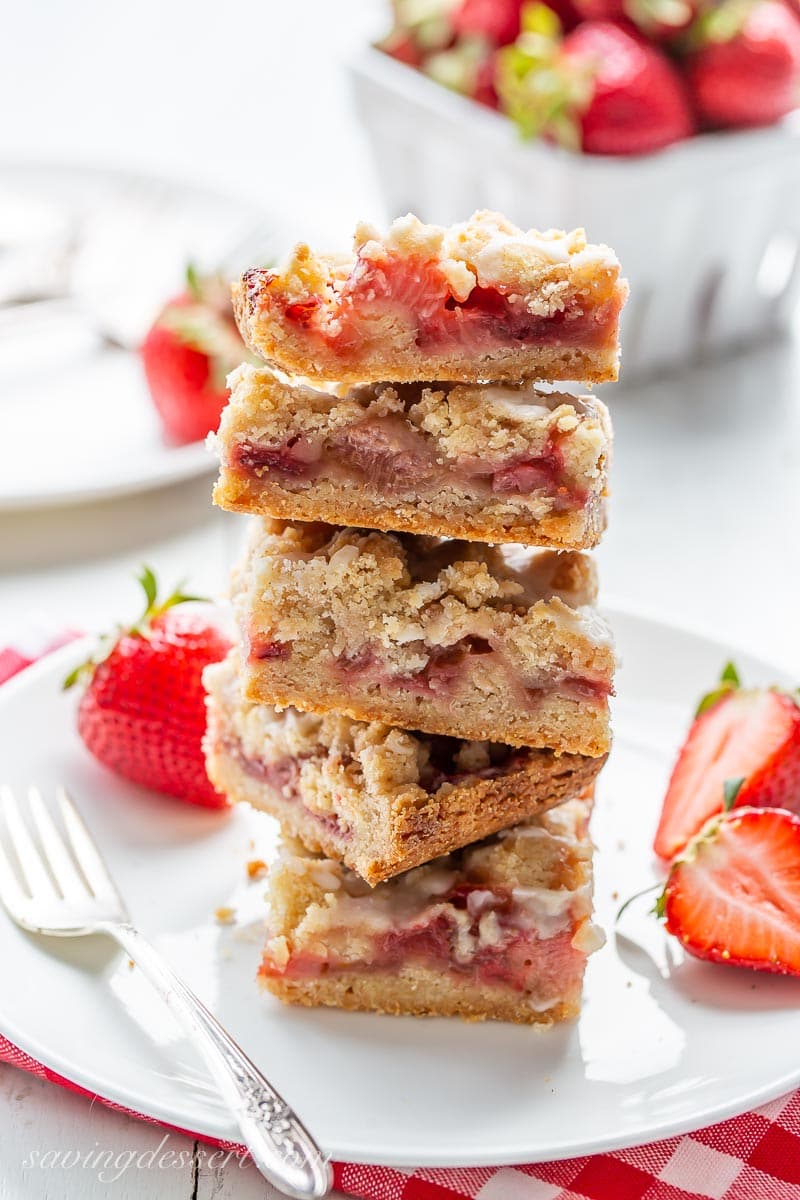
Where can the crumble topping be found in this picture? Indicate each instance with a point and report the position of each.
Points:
(409, 594)
(538, 269)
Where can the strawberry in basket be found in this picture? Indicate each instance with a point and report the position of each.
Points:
(498, 21)
(418, 31)
(602, 89)
(745, 65)
(594, 76)
(659, 20)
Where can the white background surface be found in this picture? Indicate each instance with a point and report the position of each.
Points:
(706, 509)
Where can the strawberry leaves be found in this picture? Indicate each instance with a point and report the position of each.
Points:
(542, 90)
(459, 67)
(210, 333)
(152, 611)
(76, 674)
(153, 608)
(730, 790)
(203, 320)
(638, 895)
(718, 23)
(729, 681)
(193, 283)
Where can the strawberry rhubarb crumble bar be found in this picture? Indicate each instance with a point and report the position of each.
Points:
(448, 637)
(501, 929)
(479, 461)
(479, 300)
(378, 799)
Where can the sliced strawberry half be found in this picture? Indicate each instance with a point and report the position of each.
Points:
(748, 735)
(735, 896)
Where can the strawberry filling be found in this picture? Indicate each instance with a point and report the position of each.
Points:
(574, 687)
(386, 453)
(545, 473)
(389, 455)
(442, 765)
(418, 293)
(283, 776)
(356, 663)
(444, 667)
(295, 457)
(488, 318)
(480, 934)
(269, 648)
(448, 667)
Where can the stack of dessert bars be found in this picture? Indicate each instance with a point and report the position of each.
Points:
(420, 689)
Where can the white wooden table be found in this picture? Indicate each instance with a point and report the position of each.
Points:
(706, 506)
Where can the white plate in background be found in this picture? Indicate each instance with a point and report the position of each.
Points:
(78, 423)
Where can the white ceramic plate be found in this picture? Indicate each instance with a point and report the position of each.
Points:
(664, 1044)
(75, 409)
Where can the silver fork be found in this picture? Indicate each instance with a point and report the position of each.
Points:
(63, 888)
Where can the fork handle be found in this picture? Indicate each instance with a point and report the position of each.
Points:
(281, 1147)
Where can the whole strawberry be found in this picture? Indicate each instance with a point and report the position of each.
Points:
(747, 69)
(602, 89)
(495, 20)
(187, 355)
(419, 30)
(639, 102)
(143, 711)
(468, 68)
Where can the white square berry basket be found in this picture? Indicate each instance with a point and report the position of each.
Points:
(707, 231)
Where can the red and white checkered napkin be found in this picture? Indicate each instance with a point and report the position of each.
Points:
(752, 1157)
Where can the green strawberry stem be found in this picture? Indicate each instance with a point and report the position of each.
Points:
(194, 284)
(636, 896)
(458, 67)
(141, 628)
(542, 90)
(717, 23)
(153, 609)
(649, 14)
(729, 681)
(731, 789)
